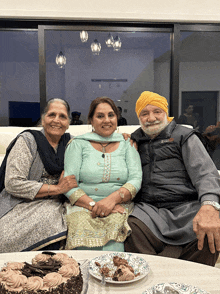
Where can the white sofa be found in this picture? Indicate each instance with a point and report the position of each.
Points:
(7, 134)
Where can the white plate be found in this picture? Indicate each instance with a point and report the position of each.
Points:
(139, 265)
(182, 288)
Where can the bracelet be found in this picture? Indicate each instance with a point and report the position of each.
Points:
(48, 191)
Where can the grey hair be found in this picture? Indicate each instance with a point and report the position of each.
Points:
(52, 100)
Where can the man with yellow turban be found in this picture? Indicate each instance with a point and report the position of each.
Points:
(178, 204)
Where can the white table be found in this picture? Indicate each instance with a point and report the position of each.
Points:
(162, 269)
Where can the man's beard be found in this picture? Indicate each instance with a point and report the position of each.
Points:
(154, 128)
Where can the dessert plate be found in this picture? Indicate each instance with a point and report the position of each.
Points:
(181, 288)
(139, 265)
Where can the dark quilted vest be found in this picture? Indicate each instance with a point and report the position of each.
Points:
(165, 180)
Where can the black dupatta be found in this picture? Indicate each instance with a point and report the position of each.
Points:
(52, 161)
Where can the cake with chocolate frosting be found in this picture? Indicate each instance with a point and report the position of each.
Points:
(48, 273)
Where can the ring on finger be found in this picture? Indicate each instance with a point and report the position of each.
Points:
(102, 213)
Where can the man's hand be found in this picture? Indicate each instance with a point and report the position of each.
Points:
(126, 136)
(207, 222)
(132, 142)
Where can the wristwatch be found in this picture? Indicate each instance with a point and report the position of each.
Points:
(122, 195)
(91, 205)
(212, 203)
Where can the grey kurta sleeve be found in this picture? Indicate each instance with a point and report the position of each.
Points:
(18, 167)
(201, 169)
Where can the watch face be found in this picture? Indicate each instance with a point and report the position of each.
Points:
(92, 203)
(217, 206)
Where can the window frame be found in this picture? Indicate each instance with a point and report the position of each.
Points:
(174, 28)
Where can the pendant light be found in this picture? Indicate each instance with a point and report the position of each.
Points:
(96, 47)
(117, 44)
(110, 41)
(60, 58)
(84, 36)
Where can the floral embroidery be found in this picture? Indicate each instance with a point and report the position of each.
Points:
(76, 195)
(107, 168)
(89, 232)
(131, 189)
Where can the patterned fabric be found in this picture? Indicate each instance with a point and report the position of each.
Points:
(107, 168)
(49, 179)
(98, 177)
(83, 230)
(32, 224)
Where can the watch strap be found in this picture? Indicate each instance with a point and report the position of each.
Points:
(91, 205)
(212, 203)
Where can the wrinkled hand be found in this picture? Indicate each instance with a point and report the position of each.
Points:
(207, 222)
(126, 136)
(132, 142)
(118, 208)
(66, 184)
(103, 207)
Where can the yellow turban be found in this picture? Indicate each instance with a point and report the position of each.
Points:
(152, 99)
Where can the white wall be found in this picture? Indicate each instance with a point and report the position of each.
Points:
(157, 10)
(80, 88)
(74, 82)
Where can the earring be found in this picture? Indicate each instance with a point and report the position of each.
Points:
(93, 129)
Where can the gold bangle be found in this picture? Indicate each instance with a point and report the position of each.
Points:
(48, 191)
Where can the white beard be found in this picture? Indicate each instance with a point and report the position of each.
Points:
(155, 128)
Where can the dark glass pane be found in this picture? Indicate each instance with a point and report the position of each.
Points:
(19, 78)
(199, 78)
(142, 63)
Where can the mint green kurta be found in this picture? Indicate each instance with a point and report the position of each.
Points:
(98, 177)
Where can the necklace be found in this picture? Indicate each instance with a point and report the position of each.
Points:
(103, 148)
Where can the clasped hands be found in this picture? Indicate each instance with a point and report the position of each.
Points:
(105, 207)
(207, 222)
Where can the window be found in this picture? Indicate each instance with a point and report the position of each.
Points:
(19, 77)
(142, 63)
(199, 77)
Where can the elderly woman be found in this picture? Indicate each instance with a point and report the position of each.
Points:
(108, 171)
(31, 206)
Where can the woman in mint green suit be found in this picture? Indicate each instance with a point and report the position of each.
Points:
(109, 174)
